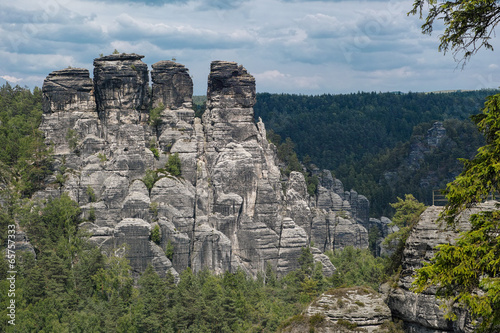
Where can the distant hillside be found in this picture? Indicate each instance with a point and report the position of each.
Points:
(366, 138)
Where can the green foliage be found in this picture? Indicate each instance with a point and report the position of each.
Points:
(90, 194)
(286, 153)
(156, 234)
(199, 105)
(306, 261)
(467, 273)
(102, 157)
(155, 152)
(173, 165)
(153, 208)
(150, 178)
(116, 52)
(72, 138)
(114, 283)
(24, 158)
(48, 224)
(356, 267)
(347, 324)
(155, 116)
(316, 319)
(393, 326)
(469, 23)
(406, 217)
(471, 265)
(72, 287)
(407, 211)
(365, 138)
(169, 250)
(270, 275)
(373, 236)
(152, 147)
(312, 184)
(92, 216)
(480, 177)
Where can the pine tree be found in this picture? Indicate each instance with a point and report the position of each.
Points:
(468, 273)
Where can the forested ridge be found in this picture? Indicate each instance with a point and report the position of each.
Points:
(361, 137)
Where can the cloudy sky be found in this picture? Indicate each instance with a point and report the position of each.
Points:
(290, 46)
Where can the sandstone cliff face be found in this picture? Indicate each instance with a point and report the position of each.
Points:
(229, 209)
(421, 312)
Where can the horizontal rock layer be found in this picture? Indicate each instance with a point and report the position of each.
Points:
(422, 312)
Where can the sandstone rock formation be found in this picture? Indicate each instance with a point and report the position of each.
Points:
(230, 208)
(356, 309)
(421, 312)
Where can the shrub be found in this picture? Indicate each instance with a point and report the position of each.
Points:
(72, 138)
(92, 216)
(169, 251)
(155, 115)
(155, 234)
(91, 194)
(173, 165)
(150, 179)
(347, 324)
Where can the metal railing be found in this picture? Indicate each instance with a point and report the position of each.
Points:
(439, 199)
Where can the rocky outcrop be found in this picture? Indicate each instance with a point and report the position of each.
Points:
(229, 208)
(356, 309)
(172, 85)
(422, 312)
(383, 228)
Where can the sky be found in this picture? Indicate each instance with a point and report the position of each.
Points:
(290, 46)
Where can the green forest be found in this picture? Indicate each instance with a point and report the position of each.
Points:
(363, 136)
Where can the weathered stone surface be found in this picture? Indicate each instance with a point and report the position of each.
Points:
(292, 239)
(230, 85)
(297, 201)
(335, 231)
(134, 235)
(68, 90)
(361, 306)
(69, 110)
(172, 85)
(384, 229)
(421, 312)
(229, 208)
(121, 82)
(342, 310)
(318, 256)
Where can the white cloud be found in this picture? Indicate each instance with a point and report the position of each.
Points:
(290, 46)
(11, 79)
(287, 81)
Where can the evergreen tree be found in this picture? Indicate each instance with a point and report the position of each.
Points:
(174, 165)
(467, 273)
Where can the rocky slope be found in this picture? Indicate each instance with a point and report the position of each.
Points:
(356, 309)
(421, 312)
(230, 207)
